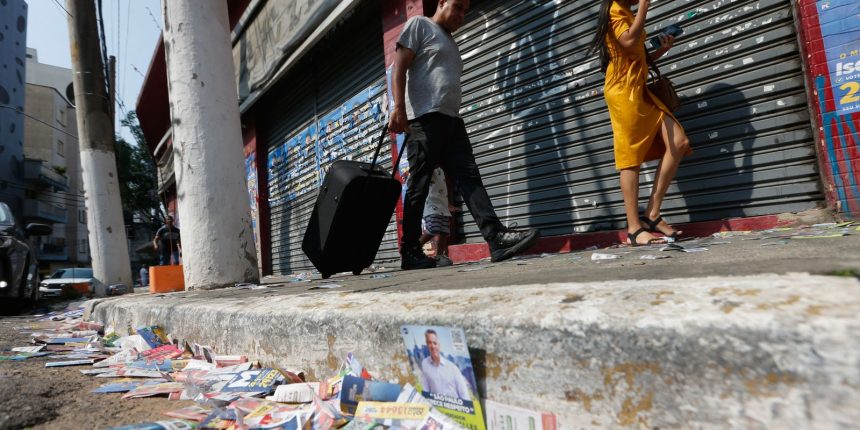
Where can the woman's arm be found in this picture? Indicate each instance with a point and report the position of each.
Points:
(630, 38)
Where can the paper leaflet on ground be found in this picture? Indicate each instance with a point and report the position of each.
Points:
(219, 419)
(262, 380)
(298, 393)
(153, 335)
(161, 353)
(191, 413)
(127, 355)
(378, 411)
(439, 358)
(117, 387)
(32, 349)
(355, 390)
(159, 425)
(148, 390)
(274, 415)
(436, 419)
(505, 417)
(69, 363)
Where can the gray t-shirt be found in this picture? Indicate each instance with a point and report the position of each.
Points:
(433, 80)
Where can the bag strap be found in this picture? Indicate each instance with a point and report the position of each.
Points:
(652, 65)
(379, 148)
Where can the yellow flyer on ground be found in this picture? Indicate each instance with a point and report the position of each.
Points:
(372, 411)
(440, 361)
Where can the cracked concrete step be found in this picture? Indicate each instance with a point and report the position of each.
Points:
(764, 351)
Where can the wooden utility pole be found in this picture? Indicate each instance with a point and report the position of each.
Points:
(105, 223)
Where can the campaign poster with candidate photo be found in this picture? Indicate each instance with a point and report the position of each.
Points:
(440, 362)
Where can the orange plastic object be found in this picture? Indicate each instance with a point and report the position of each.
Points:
(166, 279)
(83, 288)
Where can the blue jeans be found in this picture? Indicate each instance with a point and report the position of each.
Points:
(164, 257)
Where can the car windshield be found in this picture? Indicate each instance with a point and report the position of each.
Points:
(5, 215)
(72, 273)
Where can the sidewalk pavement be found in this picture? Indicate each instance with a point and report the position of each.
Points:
(761, 330)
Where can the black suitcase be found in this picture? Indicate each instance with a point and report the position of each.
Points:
(350, 216)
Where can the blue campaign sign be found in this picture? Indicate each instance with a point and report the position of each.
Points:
(840, 30)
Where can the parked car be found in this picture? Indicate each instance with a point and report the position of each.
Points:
(19, 276)
(68, 281)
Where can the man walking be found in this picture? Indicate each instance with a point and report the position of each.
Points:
(167, 243)
(427, 97)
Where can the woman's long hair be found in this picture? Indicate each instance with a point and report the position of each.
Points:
(598, 44)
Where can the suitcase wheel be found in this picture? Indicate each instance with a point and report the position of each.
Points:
(357, 272)
(325, 275)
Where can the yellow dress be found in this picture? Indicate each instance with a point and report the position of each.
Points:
(636, 114)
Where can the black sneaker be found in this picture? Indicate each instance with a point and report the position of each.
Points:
(509, 242)
(443, 261)
(413, 257)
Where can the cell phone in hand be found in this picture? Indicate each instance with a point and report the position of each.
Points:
(673, 30)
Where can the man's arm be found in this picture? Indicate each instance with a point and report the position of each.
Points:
(403, 58)
(156, 239)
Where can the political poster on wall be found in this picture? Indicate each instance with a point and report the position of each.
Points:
(840, 31)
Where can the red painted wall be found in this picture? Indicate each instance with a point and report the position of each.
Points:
(263, 236)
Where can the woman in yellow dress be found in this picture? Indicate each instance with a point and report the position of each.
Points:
(642, 126)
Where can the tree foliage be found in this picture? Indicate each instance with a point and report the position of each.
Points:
(137, 174)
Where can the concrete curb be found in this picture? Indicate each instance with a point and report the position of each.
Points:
(768, 351)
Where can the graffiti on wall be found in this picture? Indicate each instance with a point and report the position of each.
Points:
(346, 132)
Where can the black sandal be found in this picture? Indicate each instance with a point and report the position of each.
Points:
(653, 241)
(651, 226)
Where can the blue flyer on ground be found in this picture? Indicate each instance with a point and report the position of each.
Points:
(440, 361)
(259, 380)
(153, 335)
(355, 390)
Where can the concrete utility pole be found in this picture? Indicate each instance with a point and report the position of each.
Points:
(98, 162)
(217, 239)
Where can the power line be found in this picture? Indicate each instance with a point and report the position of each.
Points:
(63, 8)
(46, 194)
(38, 120)
(125, 48)
(153, 18)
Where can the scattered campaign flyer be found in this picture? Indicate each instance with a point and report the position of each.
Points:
(506, 417)
(159, 425)
(297, 393)
(32, 349)
(440, 361)
(191, 413)
(148, 390)
(162, 352)
(376, 411)
(153, 336)
(257, 380)
(117, 387)
(354, 390)
(69, 363)
(219, 419)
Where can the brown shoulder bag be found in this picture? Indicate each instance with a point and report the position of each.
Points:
(662, 87)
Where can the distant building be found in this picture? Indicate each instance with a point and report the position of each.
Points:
(52, 166)
(13, 38)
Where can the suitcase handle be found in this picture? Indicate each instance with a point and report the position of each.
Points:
(379, 148)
